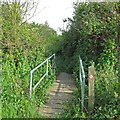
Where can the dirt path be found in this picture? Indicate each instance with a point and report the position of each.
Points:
(59, 92)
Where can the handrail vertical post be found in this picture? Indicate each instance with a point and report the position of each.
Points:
(81, 90)
(54, 59)
(47, 67)
(30, 84)
(31, 74)
(54, 63)
(82, 84)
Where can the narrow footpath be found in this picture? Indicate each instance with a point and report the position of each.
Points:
(59, 92)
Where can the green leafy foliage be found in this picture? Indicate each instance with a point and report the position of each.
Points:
(24, 47)
(15, 88)
(93, 33)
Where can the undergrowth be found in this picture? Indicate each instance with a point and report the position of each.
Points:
(107, 98)
(93, 33)
(15, 90)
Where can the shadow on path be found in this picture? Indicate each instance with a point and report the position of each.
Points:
(59, 92)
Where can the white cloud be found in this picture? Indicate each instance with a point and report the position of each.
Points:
(54, 13)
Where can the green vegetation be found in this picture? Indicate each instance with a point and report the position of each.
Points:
(93, 32)
(0, 64)
(24, 47)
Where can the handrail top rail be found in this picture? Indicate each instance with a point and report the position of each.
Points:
(82, 67)
(41, 64)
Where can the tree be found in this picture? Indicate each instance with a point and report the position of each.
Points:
(14, 17)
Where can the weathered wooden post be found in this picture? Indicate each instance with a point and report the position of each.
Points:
(91, 95)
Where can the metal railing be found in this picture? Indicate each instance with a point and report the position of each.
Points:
(82, 81)
(31, 74)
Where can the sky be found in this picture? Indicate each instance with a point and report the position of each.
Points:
(54, 12)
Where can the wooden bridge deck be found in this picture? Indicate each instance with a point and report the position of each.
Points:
(59, 92)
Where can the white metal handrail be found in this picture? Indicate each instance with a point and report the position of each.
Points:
(82, 81)
(31, 73)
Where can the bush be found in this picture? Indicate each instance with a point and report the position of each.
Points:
(93, 34)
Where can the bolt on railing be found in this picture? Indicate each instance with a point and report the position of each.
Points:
(31, 74)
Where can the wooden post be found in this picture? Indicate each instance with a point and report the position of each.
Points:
(91, 99)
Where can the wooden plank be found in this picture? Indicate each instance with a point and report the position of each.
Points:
(91, 95)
